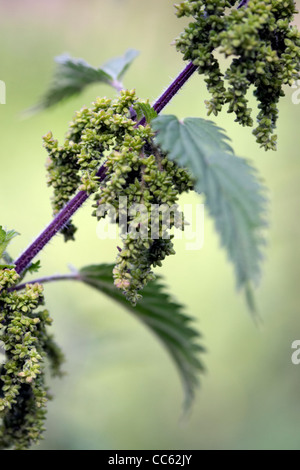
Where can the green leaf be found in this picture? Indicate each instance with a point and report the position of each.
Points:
(234, 195)
(31, 269)
(5, 238)
(73, 75)
(145, 110)
(163, 316)
(7, 266)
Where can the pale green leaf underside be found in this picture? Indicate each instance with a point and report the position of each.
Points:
(117, 67)
(233, 193)
(73, 75)
(163, 316)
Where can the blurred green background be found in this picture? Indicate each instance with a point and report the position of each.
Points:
(121, 391)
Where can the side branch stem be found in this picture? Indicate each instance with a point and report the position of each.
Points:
(47, 279)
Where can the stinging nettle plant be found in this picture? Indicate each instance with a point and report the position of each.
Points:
(124, 148)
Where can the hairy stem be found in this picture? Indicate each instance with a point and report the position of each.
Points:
(54, 227)
(171, 91)
(43, 280)
(74, 204)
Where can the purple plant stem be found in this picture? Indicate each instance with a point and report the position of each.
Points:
(76, 202)
(244, 3)
(44, 280)
(54, 227)
(171, 91)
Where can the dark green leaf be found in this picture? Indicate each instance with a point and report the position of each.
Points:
(163, 316)
(233, 193)
(73, 75)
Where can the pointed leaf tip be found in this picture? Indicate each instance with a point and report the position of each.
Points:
(164, 317)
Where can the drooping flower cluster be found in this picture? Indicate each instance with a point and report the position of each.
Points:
(26, 343)
(265, 51)
(135, 170)
(149, 185)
